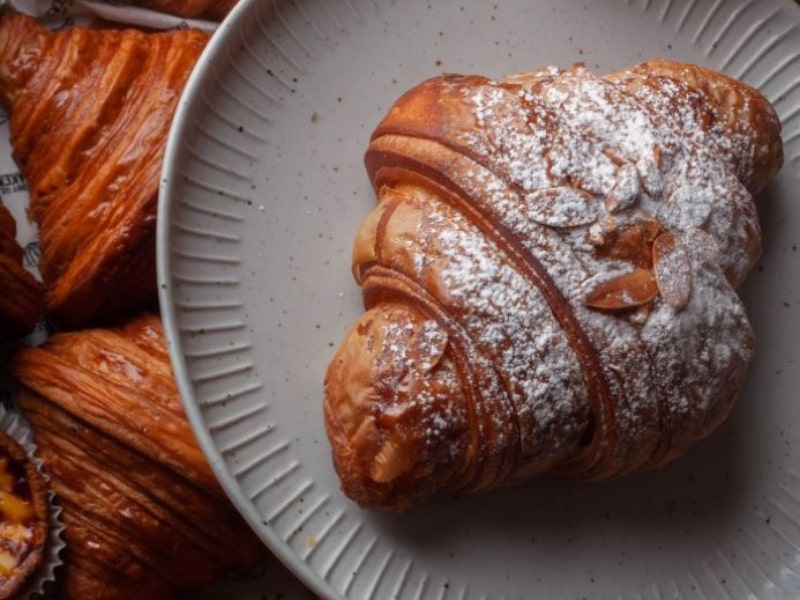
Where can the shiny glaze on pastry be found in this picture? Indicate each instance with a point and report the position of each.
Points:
(145, 517)
(89, 113)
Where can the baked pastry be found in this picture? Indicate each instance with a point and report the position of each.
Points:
(144, 515)
(24, 508)
(20, 303)
(549, 278)
(89, 115)
(206, 9)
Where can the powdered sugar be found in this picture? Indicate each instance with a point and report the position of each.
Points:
(644, 154)
(512, 324)
(551, 167)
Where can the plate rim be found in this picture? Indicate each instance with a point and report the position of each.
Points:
(189, 96)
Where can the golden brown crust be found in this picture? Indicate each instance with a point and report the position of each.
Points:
(738, 106)
(31, 489)
(120, 381)
(143, 512)
(131, 524)
(355, 430)
(20, 302)
(89, 114)
(549, 278)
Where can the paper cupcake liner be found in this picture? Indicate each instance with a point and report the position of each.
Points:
(15, 425)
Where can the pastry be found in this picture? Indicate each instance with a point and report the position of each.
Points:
(549, 278)
(20, 303)
(206, 9)
(89, 113)
(144, 515)
(24, 508)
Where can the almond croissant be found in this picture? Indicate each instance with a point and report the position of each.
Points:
(144, 515)
(549, 278)
(89, 115)
(20, 302)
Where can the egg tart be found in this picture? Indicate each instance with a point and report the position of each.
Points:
(23, 517)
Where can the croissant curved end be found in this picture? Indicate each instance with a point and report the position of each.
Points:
(381, 409)
(549, 276)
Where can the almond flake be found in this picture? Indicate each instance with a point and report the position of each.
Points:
(632, 289)
(562, 207)
(650, 174)
(672, 270)
(625, 190)
(632, 242)
(701, 245)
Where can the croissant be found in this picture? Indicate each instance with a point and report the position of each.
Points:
(20, 304)
(89, 115)
(549, 278)
(144, 515)
(209, 9)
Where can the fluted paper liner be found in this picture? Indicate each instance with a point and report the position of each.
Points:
(15, 425)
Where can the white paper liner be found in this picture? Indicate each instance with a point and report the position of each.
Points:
(18, 428)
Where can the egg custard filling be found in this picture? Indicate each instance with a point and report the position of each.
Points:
(23, 517)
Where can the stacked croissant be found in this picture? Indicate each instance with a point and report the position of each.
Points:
(89, 112)
(549, 278)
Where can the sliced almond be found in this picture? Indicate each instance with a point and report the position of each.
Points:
(615, 157)
(688, 206)
(672, 270)
(601, 230)
(625, 191)
(651, 227)
(562, 207)
(632, 242)
(650, 174)
(701, 245)
(632, 289)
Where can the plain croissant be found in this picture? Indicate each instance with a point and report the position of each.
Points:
(144, 514)
(549, 278)
(89, 114)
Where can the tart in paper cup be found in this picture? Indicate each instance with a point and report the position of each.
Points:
(40, 581)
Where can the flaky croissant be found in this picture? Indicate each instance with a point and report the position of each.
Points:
(549, 278)
(89, 115)
(20, 301)
(144, 515)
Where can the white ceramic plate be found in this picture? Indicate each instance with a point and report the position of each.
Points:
(263, 191)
